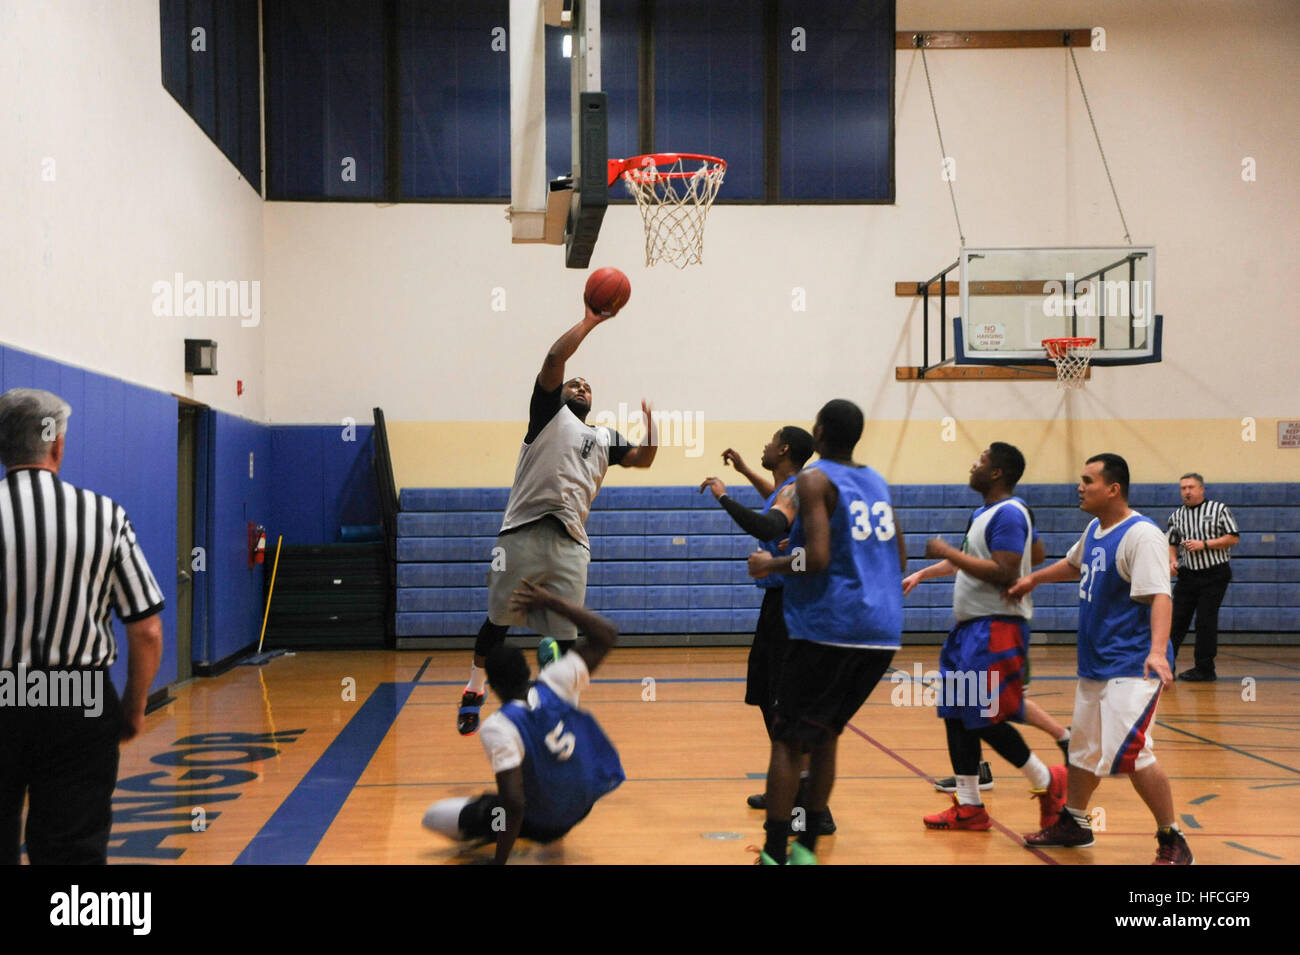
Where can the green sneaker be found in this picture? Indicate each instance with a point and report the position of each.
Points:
(799, 854)
(765, 859)
(548, 651)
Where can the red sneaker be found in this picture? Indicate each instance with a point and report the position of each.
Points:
(960, 817)
(1052, 799)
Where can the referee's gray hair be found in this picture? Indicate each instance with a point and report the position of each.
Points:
(1192, 474)
(25, 418)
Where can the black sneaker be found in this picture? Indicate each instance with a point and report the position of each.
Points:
(1196, 675)
(1065, 833)
(757, 801)
(949, 783)
(827, 827)
(1173, 848)
(467, 715)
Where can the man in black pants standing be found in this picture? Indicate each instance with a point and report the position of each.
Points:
(783, 456)
(1201, 537)
(74, 560)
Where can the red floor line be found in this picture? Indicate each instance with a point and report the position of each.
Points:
(1043, 856)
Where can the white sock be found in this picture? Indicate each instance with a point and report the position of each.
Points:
(968, 790)
(1064, 737)
(444, 817)
(1037, 773)
(477, 679)
(1080, 816)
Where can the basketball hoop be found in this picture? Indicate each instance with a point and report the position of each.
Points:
(1071, 357)
(674, 192)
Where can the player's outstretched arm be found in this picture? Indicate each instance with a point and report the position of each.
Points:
(643, 455)
(510, 789)
(599, 633)
(552, 374)
(762, 485)
(772, 525)
(1058, 572)
(942, 569)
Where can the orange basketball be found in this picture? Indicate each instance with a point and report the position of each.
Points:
(607, 291)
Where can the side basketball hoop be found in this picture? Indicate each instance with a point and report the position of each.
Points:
(674, 192)
(1071, 357)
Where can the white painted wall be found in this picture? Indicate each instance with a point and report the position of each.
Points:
(392, 306)
(139, 194)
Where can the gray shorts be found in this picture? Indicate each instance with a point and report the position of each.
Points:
(546, 555)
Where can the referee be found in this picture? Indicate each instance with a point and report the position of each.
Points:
(68, 558)
(1201, 537)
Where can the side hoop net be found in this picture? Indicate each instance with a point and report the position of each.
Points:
(674, 192)
(1071, 357)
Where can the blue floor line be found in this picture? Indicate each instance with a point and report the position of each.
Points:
(294, 831)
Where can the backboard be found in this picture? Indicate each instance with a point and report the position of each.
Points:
(567, 211)
(1012, 299)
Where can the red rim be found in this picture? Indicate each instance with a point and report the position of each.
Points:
(619, 166)
(1069, 342)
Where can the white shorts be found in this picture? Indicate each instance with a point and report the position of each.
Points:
(1110, 735)
(545, 554)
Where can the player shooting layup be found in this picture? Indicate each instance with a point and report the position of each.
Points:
(543, 535)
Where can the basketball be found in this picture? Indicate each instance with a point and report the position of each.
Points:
(607, 291)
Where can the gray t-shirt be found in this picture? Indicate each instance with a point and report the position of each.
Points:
(561, 466)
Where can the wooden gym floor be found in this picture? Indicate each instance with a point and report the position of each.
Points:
(272, 764)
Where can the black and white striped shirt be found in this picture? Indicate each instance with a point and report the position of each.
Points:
(1205, 521)
(68, 559)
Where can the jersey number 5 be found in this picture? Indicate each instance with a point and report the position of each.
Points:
(862, 520)
(561, 743)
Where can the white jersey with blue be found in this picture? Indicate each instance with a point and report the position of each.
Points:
(568, 762)
(773, 580)
(857, 601)
(1124, 561)
(1005, 525)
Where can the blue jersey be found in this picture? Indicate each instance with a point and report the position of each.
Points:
(1114, 629)
(773, 580)
(569, 763)
(857, 601)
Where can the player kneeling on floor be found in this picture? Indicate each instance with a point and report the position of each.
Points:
(552, 760)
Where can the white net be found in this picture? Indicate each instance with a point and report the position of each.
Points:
(674, 198)
(1071, 357)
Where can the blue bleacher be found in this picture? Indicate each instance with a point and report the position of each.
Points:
(668, 560)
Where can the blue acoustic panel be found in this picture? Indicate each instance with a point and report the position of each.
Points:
(236, 591)
(455, 95)
(442, 575)
(445, 549)
(836, 99)
(72, 389)
(743, 621)
(449, 524)
(614, 522)
(297, 493)
(454, 499)
(709, 82)
(710, 598)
